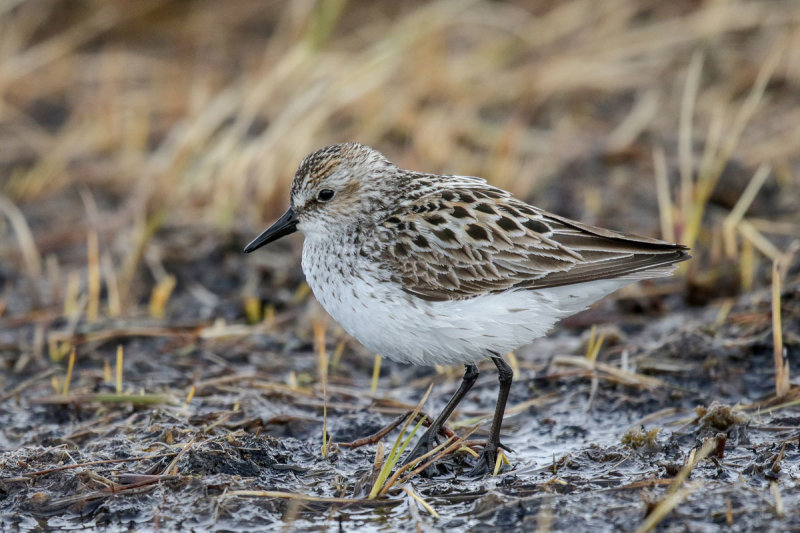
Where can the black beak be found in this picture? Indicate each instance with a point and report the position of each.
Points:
(286, 225)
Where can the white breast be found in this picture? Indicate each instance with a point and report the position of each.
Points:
(397, 325)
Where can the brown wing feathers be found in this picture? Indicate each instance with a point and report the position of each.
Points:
(461, 243)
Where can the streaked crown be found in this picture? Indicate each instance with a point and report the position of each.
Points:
(341, 185)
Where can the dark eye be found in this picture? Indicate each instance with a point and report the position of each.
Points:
(325, 195)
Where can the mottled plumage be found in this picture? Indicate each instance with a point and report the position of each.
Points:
(436, 269)
(463, 241)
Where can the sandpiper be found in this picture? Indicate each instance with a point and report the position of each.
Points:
(444, 269)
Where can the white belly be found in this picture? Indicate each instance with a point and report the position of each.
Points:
(402, 327)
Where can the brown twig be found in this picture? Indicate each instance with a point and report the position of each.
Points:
(94, 463)
(375, 437)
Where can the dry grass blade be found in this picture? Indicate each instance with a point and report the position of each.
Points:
(378, 435)
(781, 358)
(500, 461)
(695, 457)
(93, 269)
(513, 362)
(591, 341)
(685, 134)
(189, 396)
(638, 119)
(544, 518)
(665, 506)
(397, 448)
(33, 261)
(70, 366)
(749, 194)
(758, 240)
(112, 285)
(48, 471)
(784, 405)
(135, 399)
(93, 256)
(308, 498)
(775, 489)
(322, 369)
(747, 265)
(630, 378)
(662, 192)
(72, 307)
(172, 467)
(144, 231)
(337, 353)
(421, 501)
(377, 464)
(741, 207)
(376, 373)
(677, 492)
(724, 311)
(118, 372)
(26, 383)
(160, 296)
(144, 483)
(323, 21)
(594, 345)
(252, 309)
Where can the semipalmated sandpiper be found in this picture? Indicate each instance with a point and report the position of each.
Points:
(430, 269)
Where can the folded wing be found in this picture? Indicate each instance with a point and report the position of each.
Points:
(461, 242)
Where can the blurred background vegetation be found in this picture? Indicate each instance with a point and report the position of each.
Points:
(136, 131)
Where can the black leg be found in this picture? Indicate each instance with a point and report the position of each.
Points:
(428, 440)
(488, 457)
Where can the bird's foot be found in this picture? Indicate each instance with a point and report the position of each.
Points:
(426, 443)
(487, 459)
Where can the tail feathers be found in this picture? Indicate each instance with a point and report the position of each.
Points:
(636, 267)
(657, 272)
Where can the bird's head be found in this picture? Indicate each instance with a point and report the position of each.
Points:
(334, 190)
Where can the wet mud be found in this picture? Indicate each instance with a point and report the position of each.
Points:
(594, 447)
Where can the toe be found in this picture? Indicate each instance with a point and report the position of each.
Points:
(504, 447)
(485, 463)
(415, 454)
(479, 470)
(424, 445)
